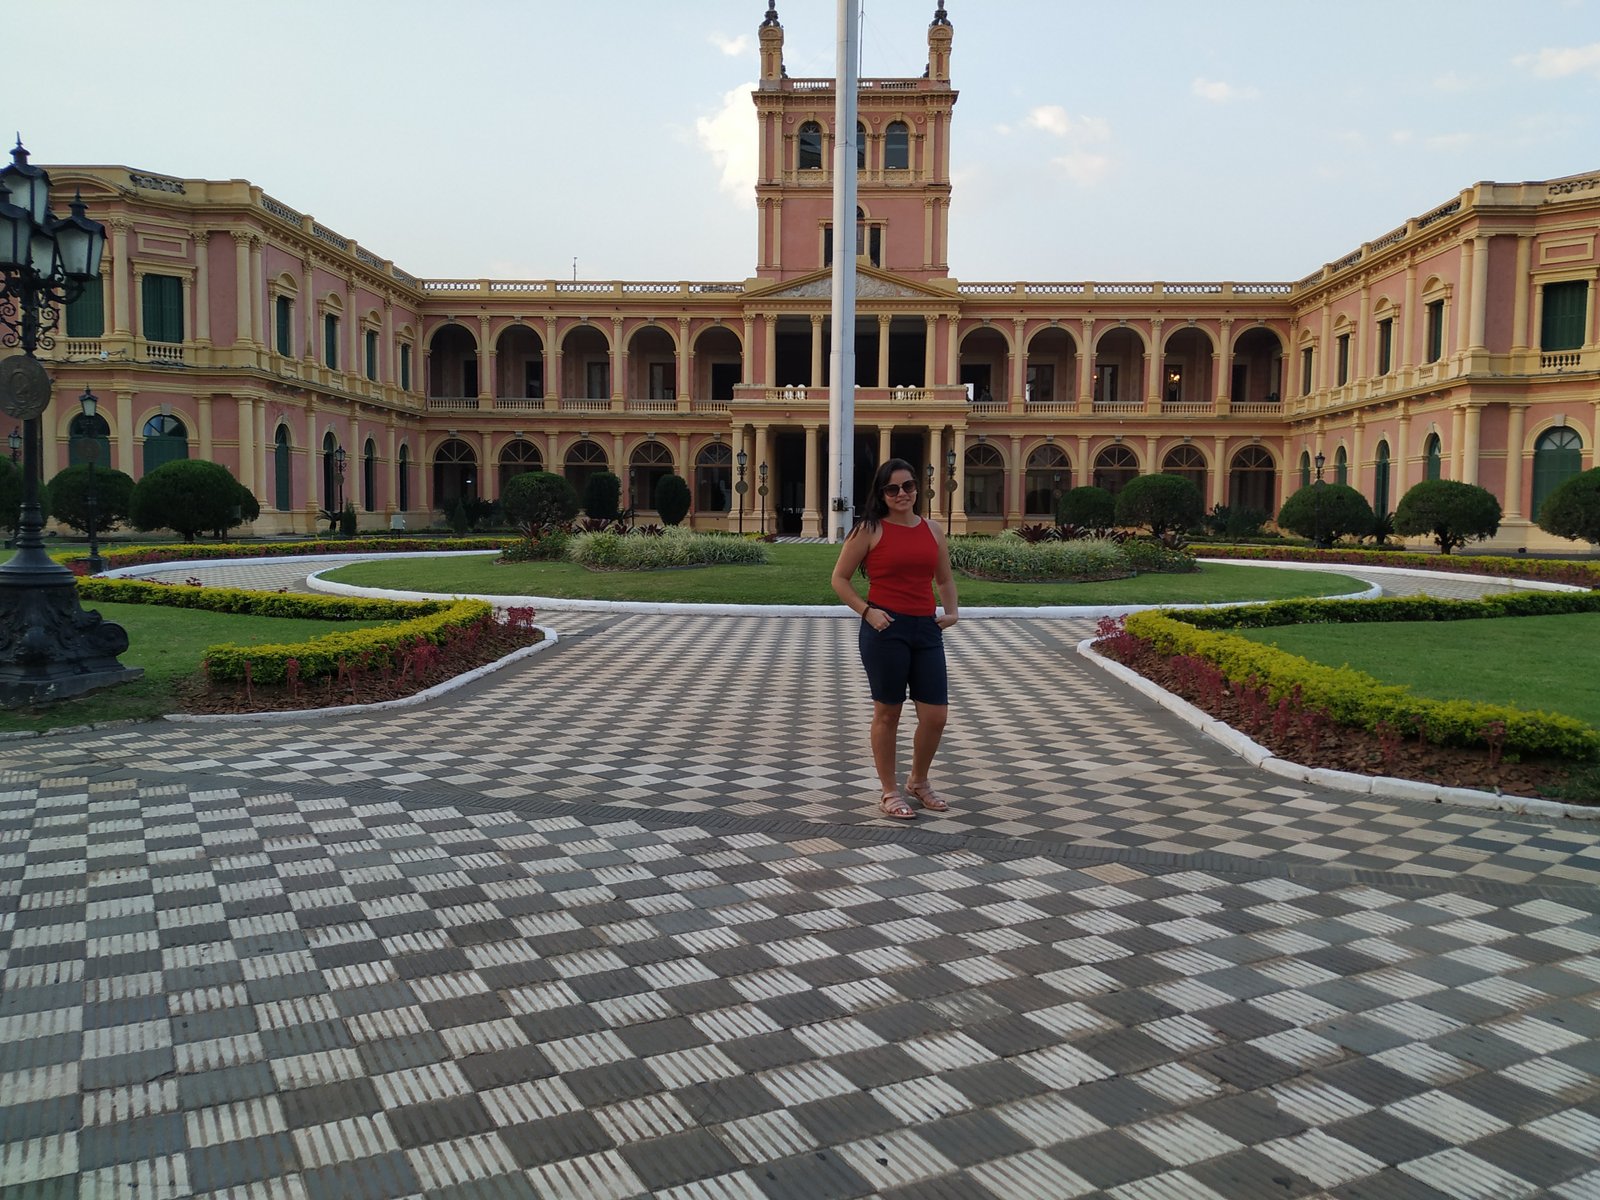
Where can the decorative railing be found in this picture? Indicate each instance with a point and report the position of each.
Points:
(1193, 289)
(323, 234)
(1051, 406)
(793, 394)
(518, 404)
(1440, 213)
(1256, 408)
(82, 347)
(1124, 407)
(282, 211)
(584, 405)
(1185, 408)
(164, 352)
(1124, 289)
(988, 408)
(652, 406)
(1349, 260)
(1053, 289)
(1262, 289)
(367, 256)
(452, 404)
(1389, 239)
(710, 406)
(909, 395)
(1563, 360)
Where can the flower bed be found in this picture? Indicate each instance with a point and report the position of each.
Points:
(140, 556)
(261, 604)
(1582, 574)
(1014, 557)
(672, 547)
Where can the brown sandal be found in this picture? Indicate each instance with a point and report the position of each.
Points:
(893, 804)
(925, 796)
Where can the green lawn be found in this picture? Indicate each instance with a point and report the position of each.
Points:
(169, 644)
(799, 573)
(1530, 662)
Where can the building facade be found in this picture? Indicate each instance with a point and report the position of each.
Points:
(1462, 344)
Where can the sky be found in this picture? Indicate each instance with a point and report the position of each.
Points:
(531, 139)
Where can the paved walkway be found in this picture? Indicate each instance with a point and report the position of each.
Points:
(621, 921)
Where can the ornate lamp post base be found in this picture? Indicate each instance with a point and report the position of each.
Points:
(50, 648)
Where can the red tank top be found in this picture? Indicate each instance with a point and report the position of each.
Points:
(900, 569)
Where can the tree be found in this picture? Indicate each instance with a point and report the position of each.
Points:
(1164, 503)
(537, 498)
(1573, 509)
(1091, 507)
(1455, 513)
(1326, 512)
(246, 509)
(602, 497)
(69, 497)
(11, 496)
(672, 499)
(186, 495)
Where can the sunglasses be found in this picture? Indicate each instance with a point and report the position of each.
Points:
(895, 489)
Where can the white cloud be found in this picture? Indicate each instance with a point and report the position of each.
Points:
(1402, 137)
(729, 137)
(1219, 92)
(1451, 82)
(1557, 62)
(1051, 118)
(1084, 167)
(733, 47)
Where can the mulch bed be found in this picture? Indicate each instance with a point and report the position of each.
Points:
(495, 642)
(1345, 748)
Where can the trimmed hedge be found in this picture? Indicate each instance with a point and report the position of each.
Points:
(1013, 560)
(140, 555)
(674, 547)
(1351, 697)
(1557, 570)
(260, 604)
(1393, 608)
(321, 656)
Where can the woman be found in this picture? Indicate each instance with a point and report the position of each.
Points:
(901, 637)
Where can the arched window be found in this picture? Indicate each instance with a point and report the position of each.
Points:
(809, 156)
(1380, 480)
(518, 458)
(584, 459)
(1114, 467)
(1557, 457)
(1049, 473)
(861, 146)
(1433, 464)
(1305, 468)
(986, 481)
(1341, 466)
(713, 478)
(403, 479)
(332, 474)
(1188, 463)
(455, 474)
(165, 440)
(282, 494)
(650, 464)
(89, 437)
(897, 147)
(1250, 483)
(369, 475)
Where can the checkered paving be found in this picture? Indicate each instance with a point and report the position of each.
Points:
(355, 992)
(766, 717)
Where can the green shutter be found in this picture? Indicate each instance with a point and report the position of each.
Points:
(1557, 457)
(86, 316)
(372, 355)
(281, 499)
(162, 304)
(405, 370)
(1565, 306)
(330, 341)
(285, 326)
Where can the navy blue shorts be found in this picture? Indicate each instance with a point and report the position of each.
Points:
(908, 654)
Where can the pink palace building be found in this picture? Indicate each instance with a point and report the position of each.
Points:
(1460, 344)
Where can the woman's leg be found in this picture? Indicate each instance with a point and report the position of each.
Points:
(931, 719)
(885, 731)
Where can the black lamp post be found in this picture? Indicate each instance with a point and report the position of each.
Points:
(89, 402)
(930, 489)
(949, 488)
(1316, 501)
(338, 476)
(741, 487)
(50, 648)
(761, 491)
(15, 442)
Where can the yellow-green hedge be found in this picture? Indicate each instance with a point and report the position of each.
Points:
(318, 657)
(261, 604)
(1352, 697)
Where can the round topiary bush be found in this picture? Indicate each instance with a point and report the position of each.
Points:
(1161, 503)
(69, 497)
(672, 499)
(602, 496)
(538, 498)
(1573, 509)
(188, 495)
(1326, 512)
(1454, 513)
(1090, 507)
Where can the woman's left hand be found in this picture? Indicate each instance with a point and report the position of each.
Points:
(947, 619)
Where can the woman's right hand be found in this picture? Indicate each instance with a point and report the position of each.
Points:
(877, 618)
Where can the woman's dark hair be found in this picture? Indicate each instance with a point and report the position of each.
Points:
(875, 510)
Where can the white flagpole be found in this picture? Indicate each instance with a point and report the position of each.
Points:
(842, 370)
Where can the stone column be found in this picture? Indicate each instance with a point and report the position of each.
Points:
(1325, 351)
(684, 372)
(958, 514)
(203, 407)
(202, 288)
(1480, 294)
(258, 292)
(1014, 481)
(138, 305)
(1086, 368)
(936, 457)
(550, 359)
(930, 334)
(241, 287)
(262, 473)
(1155, 366)
(1408, 320)
(1519, 301)
(769, 368)
(392, 499)
(1516, 424)
(816, 350)
(1402, 453)
(1469, 449)
(883, 350)
(747, 357)
(759, 503)
(1357, 429)
(1018, 364)
(308, 311)
(1085, 465)
(122, 299)
(247, 441)
(1222, 364)
(1219, 470)
(619, 361)
(313, 473)
(386, 371)
(489, 488)
(883, 444)
(125, 460)
(1457, 425)
(488, 382)
(952, 356)
(1360, 371)
(811, 517)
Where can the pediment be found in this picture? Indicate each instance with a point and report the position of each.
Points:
(870, 285)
